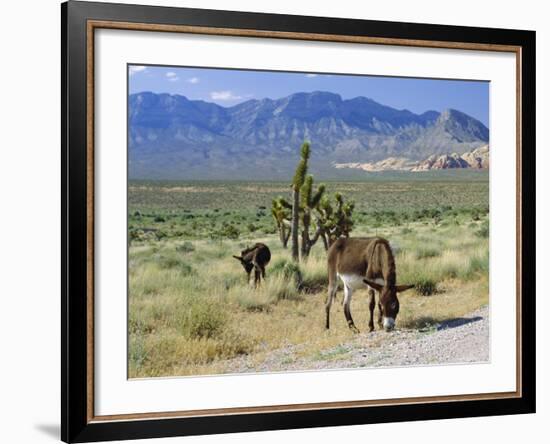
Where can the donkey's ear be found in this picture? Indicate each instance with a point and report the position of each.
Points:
(373, 284)
(400, 288)
(239, 258)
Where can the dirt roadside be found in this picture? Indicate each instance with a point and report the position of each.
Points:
(461, 340)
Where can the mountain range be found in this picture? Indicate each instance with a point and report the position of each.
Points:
(172, 137)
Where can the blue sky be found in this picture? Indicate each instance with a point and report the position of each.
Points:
(229, 87)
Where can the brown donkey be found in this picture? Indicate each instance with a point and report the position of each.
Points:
(361, 262)
(256, 257)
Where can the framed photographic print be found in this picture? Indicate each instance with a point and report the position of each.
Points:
(275, 221)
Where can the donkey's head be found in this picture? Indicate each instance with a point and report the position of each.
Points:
(247, 264)
(389, 304)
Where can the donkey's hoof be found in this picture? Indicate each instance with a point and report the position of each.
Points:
(354, 329)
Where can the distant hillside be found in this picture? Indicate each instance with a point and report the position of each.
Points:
(478, 159)
(171, 137)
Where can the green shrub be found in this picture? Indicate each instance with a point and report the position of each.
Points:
(483, 231)
(284, 291)
(427, 252)
(253, 303)
(269, 230)
(425, 287)
(135, 234)
(230, 280)
(232, 343)
(476, 265)
(186, 247)
(314, 275)
(288, 270)
(137, 355)
(313, 282)
(202, 319)
(173, 261)
(229, 231)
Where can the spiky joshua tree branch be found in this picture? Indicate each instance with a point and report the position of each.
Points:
(309, 203)
(336, 220)
(310, 210)
(297, 183)
(281, 211)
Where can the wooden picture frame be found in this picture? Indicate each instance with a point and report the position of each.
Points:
(79, 22)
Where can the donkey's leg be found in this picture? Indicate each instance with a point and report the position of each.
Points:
(257, 272)
(371, 309)
(347, 305)
(262, 267)
(332, 288)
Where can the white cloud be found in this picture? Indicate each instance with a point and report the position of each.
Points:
(311, 75)
(224, 95)
(172, 76)
(136, 68)
(193, 80)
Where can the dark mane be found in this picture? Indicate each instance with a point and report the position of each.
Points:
(381, 261)
(252, 248)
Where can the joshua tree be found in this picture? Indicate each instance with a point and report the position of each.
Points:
(331, 221)
(309, 202)
(280, 209)
(336, 222)
(297, 183)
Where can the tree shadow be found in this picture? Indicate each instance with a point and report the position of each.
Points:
(52, 430)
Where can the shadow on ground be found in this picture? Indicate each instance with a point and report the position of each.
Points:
(457, 322)
(429, 323)
(52, 430)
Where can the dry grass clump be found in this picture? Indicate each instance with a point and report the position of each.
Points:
(276, 288)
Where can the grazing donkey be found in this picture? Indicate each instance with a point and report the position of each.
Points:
(360, 261)
(255, 257)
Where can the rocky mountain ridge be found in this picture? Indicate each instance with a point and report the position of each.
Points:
(172, 137)
(475, 159)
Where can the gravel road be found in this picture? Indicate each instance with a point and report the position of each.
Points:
(462, 340)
